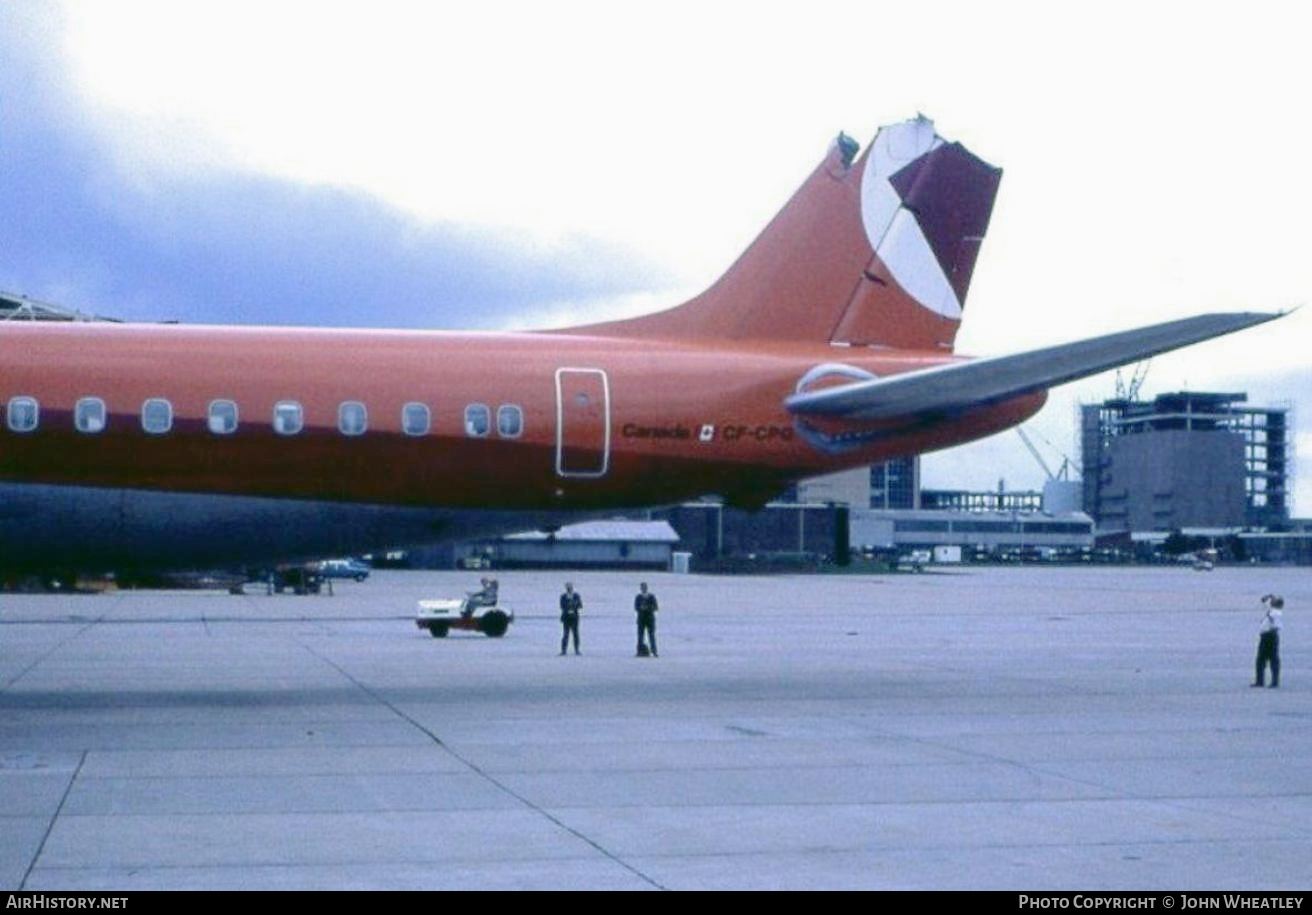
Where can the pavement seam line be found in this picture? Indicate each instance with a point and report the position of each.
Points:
(1043, 769)
(41, 847)
(485, 775)
(46, 656)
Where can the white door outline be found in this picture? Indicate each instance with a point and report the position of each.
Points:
(562, 415)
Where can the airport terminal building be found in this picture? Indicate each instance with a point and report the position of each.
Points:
(879, 510)
(995, 533)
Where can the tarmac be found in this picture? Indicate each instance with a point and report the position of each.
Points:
(972, 728)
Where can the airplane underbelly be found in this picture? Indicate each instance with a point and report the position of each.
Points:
(99, 528)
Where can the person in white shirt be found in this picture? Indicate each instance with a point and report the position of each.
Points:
(1268, 641)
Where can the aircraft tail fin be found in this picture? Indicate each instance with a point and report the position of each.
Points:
(875, 250)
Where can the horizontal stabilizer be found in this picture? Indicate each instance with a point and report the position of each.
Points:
(959, 385)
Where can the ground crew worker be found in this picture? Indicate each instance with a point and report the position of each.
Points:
(486, 596)
(645, 606)
(570, 605)
(1268, 641)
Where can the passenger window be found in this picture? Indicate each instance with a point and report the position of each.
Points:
(89, 415)
(157, 416)
(223, 417)
(288, 418)
(352, 418)
(23, 414)
(510, 420)
(478, 418)
(415, 419)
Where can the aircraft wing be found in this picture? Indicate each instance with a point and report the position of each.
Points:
(947, 388)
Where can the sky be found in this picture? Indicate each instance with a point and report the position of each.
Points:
(531, 165)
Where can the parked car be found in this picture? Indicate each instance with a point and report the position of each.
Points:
(344, 568)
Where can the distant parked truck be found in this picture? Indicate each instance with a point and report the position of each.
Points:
(299, 579)
(915, 561)
(947, 554)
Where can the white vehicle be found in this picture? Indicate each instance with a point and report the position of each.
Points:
(441, 615)
(915, 561)
(947, 555)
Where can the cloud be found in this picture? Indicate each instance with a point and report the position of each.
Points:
(83, 228)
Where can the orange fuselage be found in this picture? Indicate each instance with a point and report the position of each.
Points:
(606, 422)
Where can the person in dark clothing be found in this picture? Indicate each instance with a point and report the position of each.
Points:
(570, 605)
(1268, 641)
(645, 606)
(485, 596)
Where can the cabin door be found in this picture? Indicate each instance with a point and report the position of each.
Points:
(582, 423)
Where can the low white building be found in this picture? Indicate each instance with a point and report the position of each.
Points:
(590, 545)
(993, 531)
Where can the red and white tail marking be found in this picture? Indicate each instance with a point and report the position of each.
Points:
(873, 252)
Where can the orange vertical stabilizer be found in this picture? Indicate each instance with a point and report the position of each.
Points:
(871, 251)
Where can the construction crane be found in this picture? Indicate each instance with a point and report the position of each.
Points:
(1063, 473)
(1130, 391)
